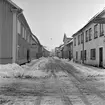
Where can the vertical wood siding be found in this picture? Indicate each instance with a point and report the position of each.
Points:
(6, 23)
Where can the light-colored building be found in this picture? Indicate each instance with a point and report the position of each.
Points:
(67, 49)
(46, 53)
(59, 51)
(89, 42)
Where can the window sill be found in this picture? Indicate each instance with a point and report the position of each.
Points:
(95, 37)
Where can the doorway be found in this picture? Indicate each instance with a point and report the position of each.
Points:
(69, 55)
(101, 57)
(28, 55)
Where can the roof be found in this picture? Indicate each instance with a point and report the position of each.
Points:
(13, 4)
(70, 41)
(90, 21)
(36, 39)
(22, 15)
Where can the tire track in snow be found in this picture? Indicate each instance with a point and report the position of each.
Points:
(78, 80)
(82, 96)
(65, 99)
(92, 89)
(38, 100)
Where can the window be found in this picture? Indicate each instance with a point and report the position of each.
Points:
(18, 27)
(25, 34)
(101, 30)
(22, 31)
(82, 37)
(96, 31)
(93, 54)
(86, 36)
(85, 55)
(78, 39)
(28, 38)
(90, 34)
(76, 55)
(18, 51)
(74, 41)
(81, 54)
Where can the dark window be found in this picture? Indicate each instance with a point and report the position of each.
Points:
(86, 35)
(78, 39)
(82, 38)
(74, 41)
(96, 31)
(81, 54)
(90, 34)
(101, 30)
(93, 54)
(76, 55)
(85, 55)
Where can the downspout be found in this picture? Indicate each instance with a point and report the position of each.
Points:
(83, 49)
(17, 35)
(14, 44)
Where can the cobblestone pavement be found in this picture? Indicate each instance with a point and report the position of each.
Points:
(65, 86)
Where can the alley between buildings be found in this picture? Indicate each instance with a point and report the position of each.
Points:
(52, 81)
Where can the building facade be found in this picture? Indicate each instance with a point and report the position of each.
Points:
(67, 49)
(16, 43)
(89, 43)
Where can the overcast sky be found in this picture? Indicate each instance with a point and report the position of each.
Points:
(50, 19)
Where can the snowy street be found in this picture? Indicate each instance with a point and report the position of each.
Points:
(51, 81)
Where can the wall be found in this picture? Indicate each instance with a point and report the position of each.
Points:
(6, 26)
(77, 48)
(94, 43)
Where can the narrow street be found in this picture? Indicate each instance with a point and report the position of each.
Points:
(63, 84)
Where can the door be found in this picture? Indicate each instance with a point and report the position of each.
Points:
(70, 55)
(101, 57)
(28, 55)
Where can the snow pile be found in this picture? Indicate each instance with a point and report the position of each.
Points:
(35, 74)
(24, 71)
(89, 70)
(90, 73)
(40, 65)
(11, 70)
(25, 67)
(61, 74)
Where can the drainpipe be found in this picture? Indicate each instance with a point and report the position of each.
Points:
(14, 44)
(83, 49)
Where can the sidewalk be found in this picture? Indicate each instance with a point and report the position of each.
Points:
(89, 71)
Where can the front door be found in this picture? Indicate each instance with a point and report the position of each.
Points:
(101, 57)
(70, 55)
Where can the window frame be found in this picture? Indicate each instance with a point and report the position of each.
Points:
(95, 31)
(90, 34)
(74, 41)
(93, 54)
(86, 36)
(85, 52)
(79, 40)
(76, 55)
(101, 29)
